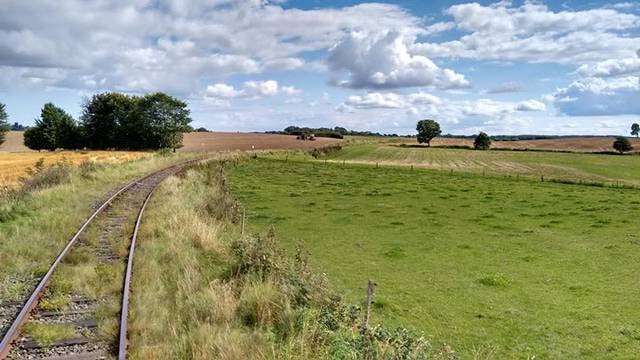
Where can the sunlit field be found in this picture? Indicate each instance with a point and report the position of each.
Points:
(15, 165)
(496, 267)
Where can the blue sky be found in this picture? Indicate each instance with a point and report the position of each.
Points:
(543, 67)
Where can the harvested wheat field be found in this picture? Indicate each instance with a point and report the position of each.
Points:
(578, 144)
(221, 141)
(15, 165)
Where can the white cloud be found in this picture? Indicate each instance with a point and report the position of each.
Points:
(291, 91)
(449, 110)
(250, 90)
(374, 101)
(598, 96)
(531, 105)
(534, 33)
(221, 91)
(381, 60)
(611, 67)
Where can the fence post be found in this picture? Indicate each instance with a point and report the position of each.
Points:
(411, 166)
(370, 287)
(243, 219)
(541, 178)
(376, 165)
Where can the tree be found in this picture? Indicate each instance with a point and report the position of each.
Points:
(53, 130)
(635, 129)
(4, 125)
(427, 130)
(622, 145)
(166, 119)
(102, 118)
(482, 141)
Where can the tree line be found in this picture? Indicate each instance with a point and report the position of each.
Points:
(113, 121)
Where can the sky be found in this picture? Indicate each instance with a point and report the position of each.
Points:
(508, 67)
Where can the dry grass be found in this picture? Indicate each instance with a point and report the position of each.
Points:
(15, 165)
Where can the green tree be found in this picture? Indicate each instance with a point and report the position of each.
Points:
(102, 118)
(482, 141)
(4, 125)
(166, 118)
(622, 145)
(427, 130)
(635, 129)
(53, 130)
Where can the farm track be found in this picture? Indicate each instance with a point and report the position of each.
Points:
(103, 241)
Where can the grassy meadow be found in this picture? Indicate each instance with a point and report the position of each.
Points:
(557, 165)
(493, 266)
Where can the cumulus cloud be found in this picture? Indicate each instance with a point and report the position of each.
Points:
(531, 105)
(534, 33)
(598, 96)
(250, 90)
(381, 60)
(611, 67)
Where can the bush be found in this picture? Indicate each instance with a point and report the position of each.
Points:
(482, 141)
(622, 145)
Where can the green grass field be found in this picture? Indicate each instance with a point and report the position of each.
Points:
(495, 267)
(590, 167)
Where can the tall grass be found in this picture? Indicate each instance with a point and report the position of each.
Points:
(203, 290)
(38, 219)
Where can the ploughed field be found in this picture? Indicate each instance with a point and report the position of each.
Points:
(601, 168)
(494, 266)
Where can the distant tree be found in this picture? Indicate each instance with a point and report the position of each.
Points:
(18, 127)
(102, 118)
(4, 125)
(482, 141)
(53, 130)
(340, 130)
(635, 129)
(622, 145)
(427, 130)
(201, 129)
(166, 118)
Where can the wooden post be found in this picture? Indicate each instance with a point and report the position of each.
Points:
(483, 171)
(411, 166)
(367, 315)
(541, 178)
(376, 165)
(244, 214)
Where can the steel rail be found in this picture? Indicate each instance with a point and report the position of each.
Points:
(14, 330)
(124, 309)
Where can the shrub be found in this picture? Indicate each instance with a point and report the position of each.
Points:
(482, 141)
(622, 145)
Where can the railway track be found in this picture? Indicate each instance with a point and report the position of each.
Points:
(61, 318)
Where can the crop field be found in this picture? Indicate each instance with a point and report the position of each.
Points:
(493, 266)
(553, 165)
(15, 165)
